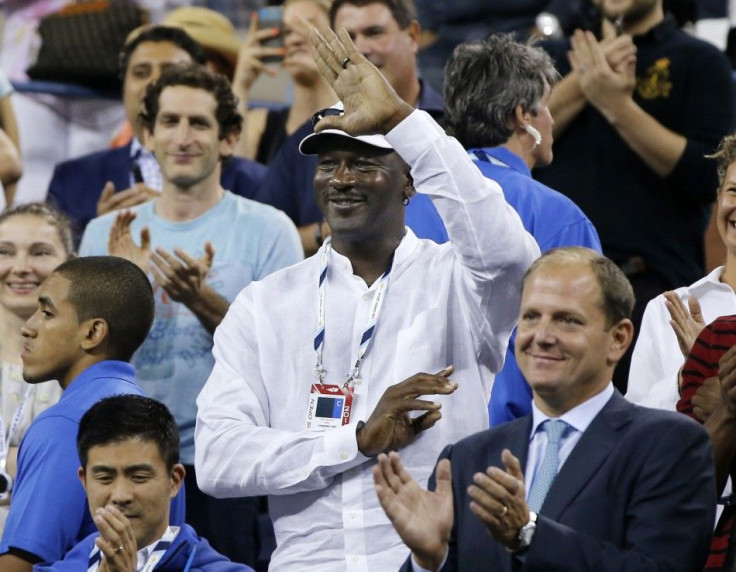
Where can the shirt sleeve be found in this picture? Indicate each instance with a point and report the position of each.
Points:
(706, 115)
(701, 364)
(49, 503)
(491, 246)
(655, 361)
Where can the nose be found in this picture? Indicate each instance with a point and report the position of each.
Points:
(21, 263)
(342, 178)
(183, 133)
(120, 493)
(544, 333)
(29, 329)
(362, 44)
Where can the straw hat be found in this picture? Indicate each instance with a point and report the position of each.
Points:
(211, 29)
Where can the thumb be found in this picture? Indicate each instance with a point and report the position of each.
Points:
(695, 310)
(512, 464)
(145, 239)
(209, 254)
(443, 477)
(107, 191)
(330, 122)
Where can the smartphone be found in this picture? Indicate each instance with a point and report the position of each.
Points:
(271, 17)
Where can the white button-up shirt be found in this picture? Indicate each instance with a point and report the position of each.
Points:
(454, 303)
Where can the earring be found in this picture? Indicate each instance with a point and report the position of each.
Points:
(405, 200)
(534, 132)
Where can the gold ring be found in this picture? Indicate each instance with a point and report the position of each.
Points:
(344, 63)
(119, 549)
(505, 510)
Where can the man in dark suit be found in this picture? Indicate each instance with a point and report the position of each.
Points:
(588, 482)
(112, 179)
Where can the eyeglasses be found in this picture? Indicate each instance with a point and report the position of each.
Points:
(326, 112)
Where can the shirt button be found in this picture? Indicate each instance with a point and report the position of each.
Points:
(354, 558)
(352, 515)
(343, 455)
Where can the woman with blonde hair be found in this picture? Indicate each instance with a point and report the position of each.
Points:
(34, 239)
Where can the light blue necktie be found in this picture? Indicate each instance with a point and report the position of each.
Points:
(547, 470)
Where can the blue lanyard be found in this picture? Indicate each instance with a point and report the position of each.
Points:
(373, 313)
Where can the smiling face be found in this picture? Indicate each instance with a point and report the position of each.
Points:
(146, 63)
(726, 211)
(30, 249)
(132, 476)
(359, 189)
(185, 138)
(298, 61)
(377, 36)
(564, 347)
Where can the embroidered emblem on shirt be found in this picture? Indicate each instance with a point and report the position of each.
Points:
(656, 81)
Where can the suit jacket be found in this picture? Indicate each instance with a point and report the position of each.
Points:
(637, 493)
(76, 184)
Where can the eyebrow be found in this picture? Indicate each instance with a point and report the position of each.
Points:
(46, 301)
(126, 470)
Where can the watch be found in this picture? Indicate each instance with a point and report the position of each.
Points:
(527, 532)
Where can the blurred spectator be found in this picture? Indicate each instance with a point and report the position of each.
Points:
(201, 244)
(267, 129)
(496, 97)
(34, 239)
(673, 320)
(119, 178)
(447, 24)
(631, 134)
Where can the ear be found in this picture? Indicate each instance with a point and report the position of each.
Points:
(414, 30)
(176, 479)
(228, 143)
(148, 139)
(622, 334)
(522, 117)
(94, 333)
(82, 477)
(409, 190)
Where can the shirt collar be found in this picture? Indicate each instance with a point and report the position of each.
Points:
(580, 416)
(401, 254)
(508, 157)
(106, 368)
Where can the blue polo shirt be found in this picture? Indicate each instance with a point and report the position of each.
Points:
(49, 513)
(553, 220)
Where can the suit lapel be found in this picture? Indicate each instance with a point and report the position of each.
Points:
(118, 168)
(591, 451)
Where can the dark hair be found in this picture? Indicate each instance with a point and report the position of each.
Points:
(122, 417)
(158, 34)
(726, 155)
(190, 75)
(403, 11)
(484, 83)
(53, 216)
(617, 299)
(115, 290)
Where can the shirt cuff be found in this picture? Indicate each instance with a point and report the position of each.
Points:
(418, 568)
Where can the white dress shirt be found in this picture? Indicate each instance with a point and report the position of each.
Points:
(657, 357)
(454, 303)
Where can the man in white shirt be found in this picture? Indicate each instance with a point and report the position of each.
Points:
(588, 482)
(277, 415)
(129, 449)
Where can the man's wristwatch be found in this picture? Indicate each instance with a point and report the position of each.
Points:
(527, 532)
